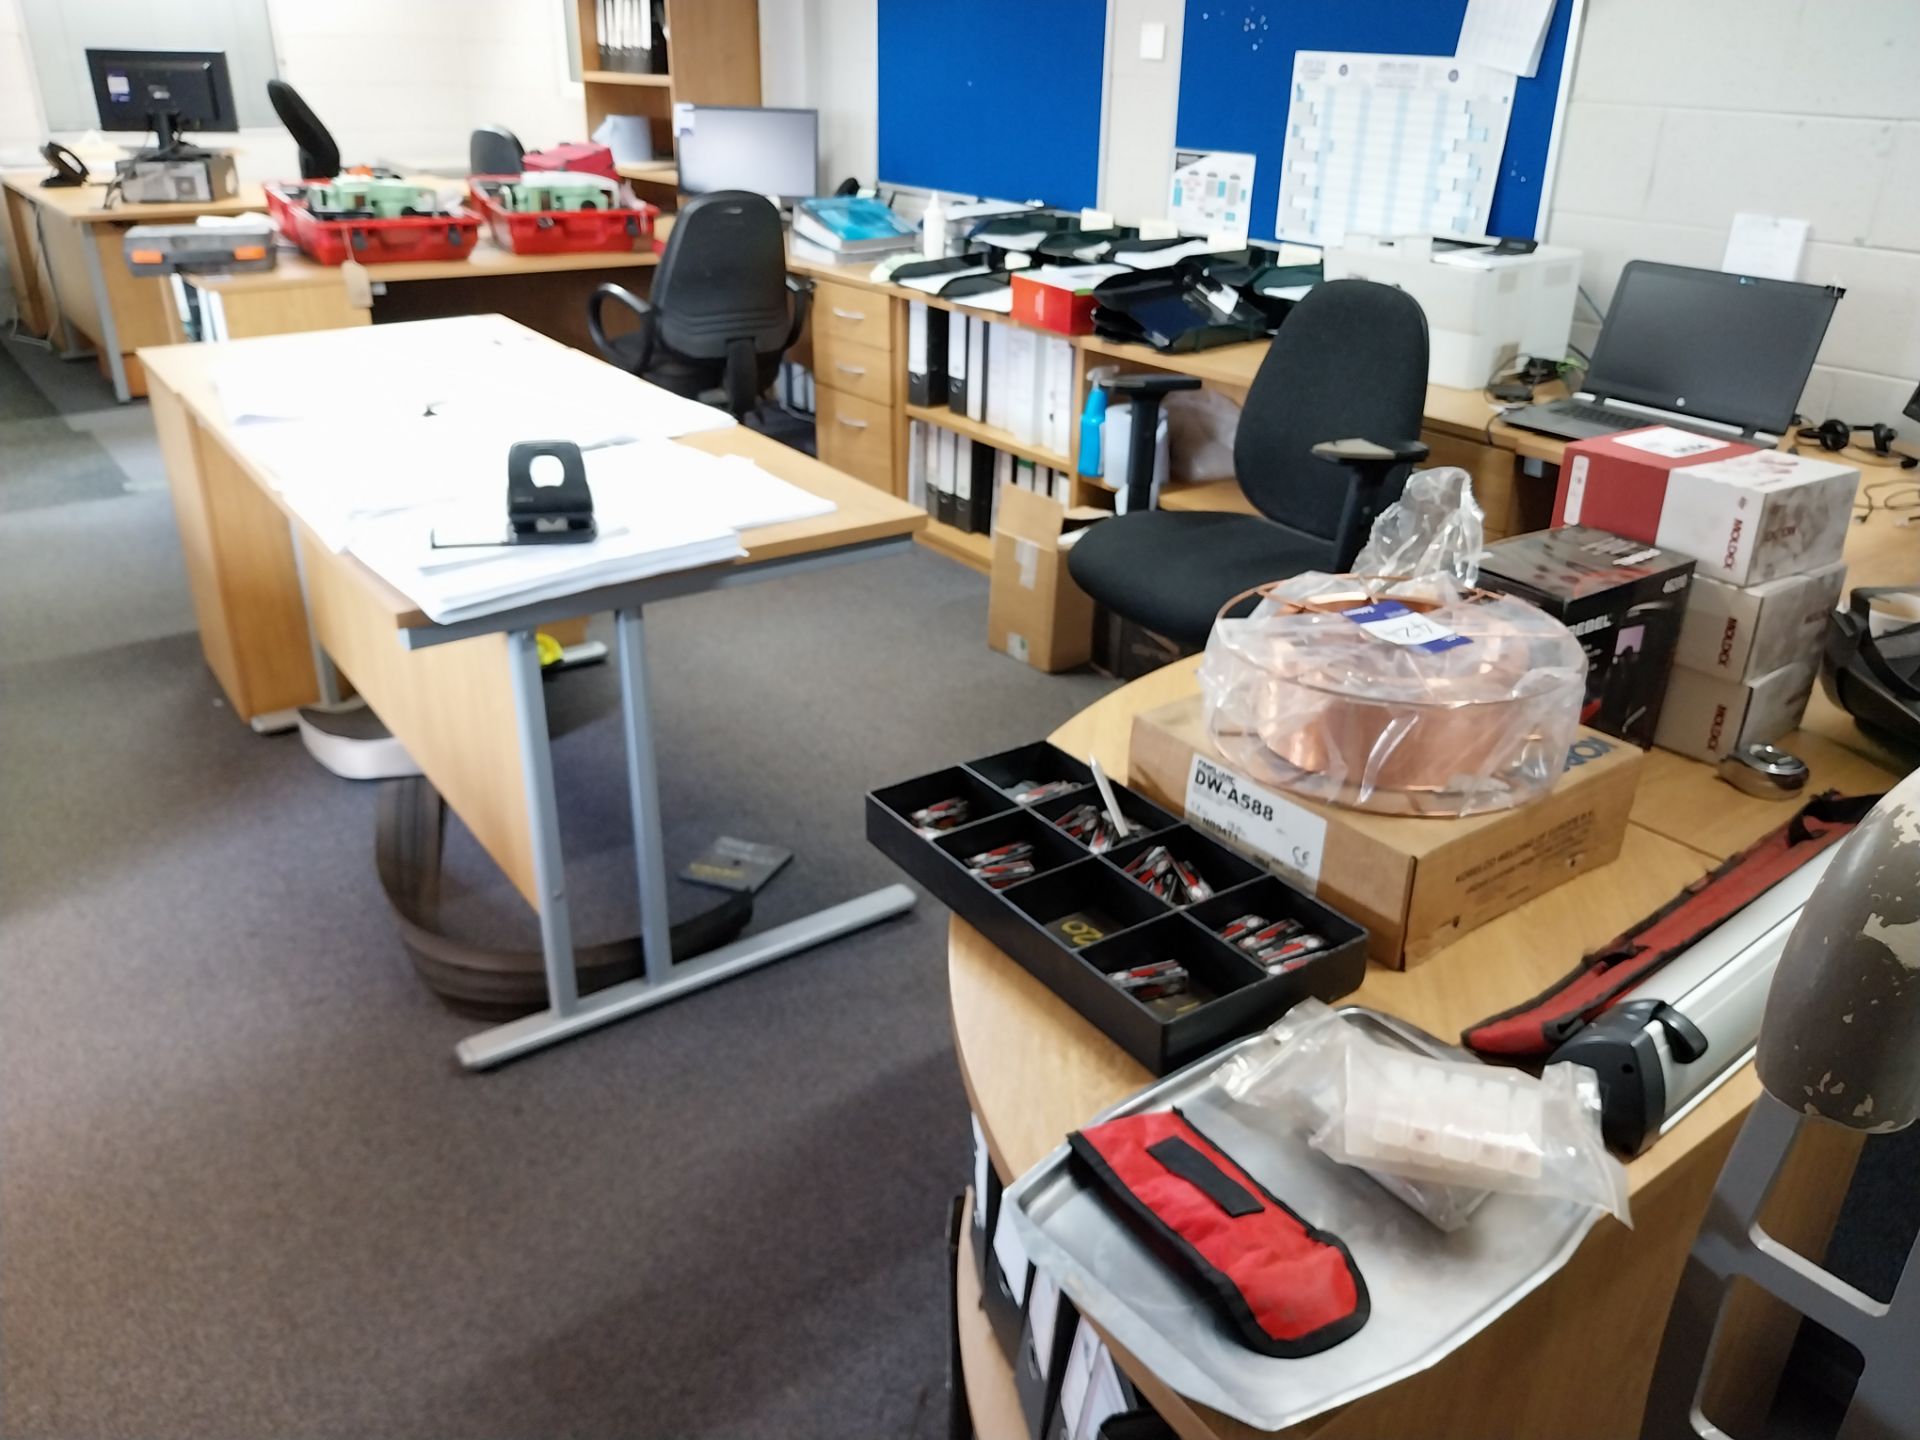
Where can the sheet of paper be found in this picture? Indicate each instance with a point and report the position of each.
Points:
(1211, 194)
(1011, 1255)
(1390, 145)
(1505, 34)
(1166, 257)
(1769, 246)
(994, 302)
(932, 284)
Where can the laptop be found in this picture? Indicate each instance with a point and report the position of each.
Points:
(1700, 350)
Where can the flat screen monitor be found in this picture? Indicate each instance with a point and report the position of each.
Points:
(165, 91)
(769, 152)
(1733, 348)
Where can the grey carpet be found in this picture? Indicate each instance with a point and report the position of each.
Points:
(244, 1188)
(20, 398)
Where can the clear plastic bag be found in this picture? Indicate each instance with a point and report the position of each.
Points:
(1434, 528)
(1447, 702)
(1440, 1123)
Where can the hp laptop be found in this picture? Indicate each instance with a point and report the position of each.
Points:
(1697, 349)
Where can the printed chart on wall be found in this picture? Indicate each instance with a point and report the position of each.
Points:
(1212, 193)
(1391, 145)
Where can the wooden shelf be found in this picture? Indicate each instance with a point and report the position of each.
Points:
(986, 435)
(654, 172)
(624, 77)
(962, 545)
(985, 1369)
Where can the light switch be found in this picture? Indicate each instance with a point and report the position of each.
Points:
(1153, 40)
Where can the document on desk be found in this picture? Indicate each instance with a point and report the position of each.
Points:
(1390, 145)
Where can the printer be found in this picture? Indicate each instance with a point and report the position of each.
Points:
(1485, 307)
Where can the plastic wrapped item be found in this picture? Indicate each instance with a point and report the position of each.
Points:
(1434, 528)
(1438, 1122)
(1405, 697)
(1311, 1103)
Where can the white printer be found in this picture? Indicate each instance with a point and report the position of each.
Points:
(1483, 309)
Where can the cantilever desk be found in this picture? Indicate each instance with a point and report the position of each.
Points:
(466, 698)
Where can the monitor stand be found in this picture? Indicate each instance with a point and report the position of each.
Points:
(171, 141)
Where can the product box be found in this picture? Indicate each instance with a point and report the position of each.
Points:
(1035, 612)
(1707, 717)
(1058, 297)
(1622, 598)
(1418, 885)
(1125, 650)
(1619, 482)
(1737, 633)
(1746, 515)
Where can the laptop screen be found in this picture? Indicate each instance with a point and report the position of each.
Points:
(1732, 348)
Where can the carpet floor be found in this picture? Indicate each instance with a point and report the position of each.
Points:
(244, 1188)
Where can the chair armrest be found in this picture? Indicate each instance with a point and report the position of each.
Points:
(1356, 451)
(642, 310)
(1372, 463)
(1148, 383)
(802, 291)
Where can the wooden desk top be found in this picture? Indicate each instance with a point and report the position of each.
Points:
(862, 512)
(293, 270)
(84, 203)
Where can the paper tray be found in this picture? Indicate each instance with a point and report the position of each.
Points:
(1431, 1292)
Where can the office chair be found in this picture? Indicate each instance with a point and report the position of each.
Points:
(1348, 365)
(719, 315)
(494, 150)
(319, 156)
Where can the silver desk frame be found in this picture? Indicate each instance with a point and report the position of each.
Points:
(568, 1013)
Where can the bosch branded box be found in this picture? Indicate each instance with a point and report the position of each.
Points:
(1744, 514)
(1624, 599)
(1740, 633)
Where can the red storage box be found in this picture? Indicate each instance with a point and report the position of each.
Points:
(581, 155)
(1058, 297)
(372, 242)
(555, 232)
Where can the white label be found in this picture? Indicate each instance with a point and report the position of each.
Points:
(1672, 443)
(1011, 1255)
(1043, 1316)
(1018, 648)
(1638, 557)
(683, 118)
(1393, 622)
(980, 1163)
(1576, 490)
(1027, 554)
(1256, 819)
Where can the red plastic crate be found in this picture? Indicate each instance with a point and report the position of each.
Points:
(372, 242)
(555, 232)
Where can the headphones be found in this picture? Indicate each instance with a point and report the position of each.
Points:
(1837, 435)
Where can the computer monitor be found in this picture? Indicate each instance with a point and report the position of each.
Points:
(737, 147)
(165, 91)
(1733, 348)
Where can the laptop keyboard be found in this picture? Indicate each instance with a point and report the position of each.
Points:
(1601, 415)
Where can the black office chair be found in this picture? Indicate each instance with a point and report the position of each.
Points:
(494, 150)
(319, 156)
(1348, 365)
(719, 316)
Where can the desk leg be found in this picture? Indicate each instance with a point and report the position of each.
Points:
(109, 336)
(567, 1014)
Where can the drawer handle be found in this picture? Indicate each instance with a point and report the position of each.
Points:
(847, 369)
(849, 314)
(851, 424)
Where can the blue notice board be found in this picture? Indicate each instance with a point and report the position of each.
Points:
(1236, 73)
(997, 98)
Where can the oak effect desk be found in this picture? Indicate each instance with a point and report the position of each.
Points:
(63, 249)
(465, 699)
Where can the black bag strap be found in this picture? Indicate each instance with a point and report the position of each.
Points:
(1863, 643)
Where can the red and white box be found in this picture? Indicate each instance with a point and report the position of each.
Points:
(1708, 718)
(1739, 633)
(1745, 515)
(1058, 297)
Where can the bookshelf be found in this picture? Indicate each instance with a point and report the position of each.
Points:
(713, 51)
(962, 545)
(987, 435)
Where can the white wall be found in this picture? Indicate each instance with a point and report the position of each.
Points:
(1684, 113)
(20, 123)
(825, 55)
(1143, 102)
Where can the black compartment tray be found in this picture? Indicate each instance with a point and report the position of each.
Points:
(1080, 917)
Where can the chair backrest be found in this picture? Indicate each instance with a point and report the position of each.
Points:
(494, 150)
(319, 157)
(723, 277)
(1350, 360)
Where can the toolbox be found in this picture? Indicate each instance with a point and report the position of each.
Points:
(1081, 918)
(371, 241)
(626, 226)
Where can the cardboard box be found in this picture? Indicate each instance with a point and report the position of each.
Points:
(1619, 482)
(1417, 885)
(1746, 515)
(1035, 612)
(1760, 516)
(1125, 650)
(1622, 598)
(1707, 717)
(1738, 633)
